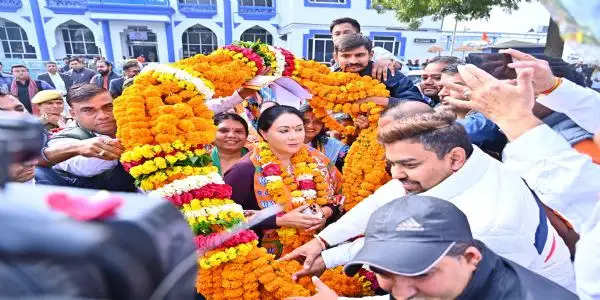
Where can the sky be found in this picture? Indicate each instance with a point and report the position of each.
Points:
(529, 15)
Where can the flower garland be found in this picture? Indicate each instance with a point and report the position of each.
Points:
(165, 125)
(364, 164)
(307, 187)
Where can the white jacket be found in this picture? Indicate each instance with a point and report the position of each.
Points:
(580, 104)
(501, 210)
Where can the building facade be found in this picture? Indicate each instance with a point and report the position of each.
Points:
(168, 30)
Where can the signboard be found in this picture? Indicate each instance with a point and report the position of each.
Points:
(138, 35)
(425, 41)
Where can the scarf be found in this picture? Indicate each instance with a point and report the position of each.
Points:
(32, 89)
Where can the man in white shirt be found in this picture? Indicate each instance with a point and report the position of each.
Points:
(58, 81)
(566, 180)
(431, 155)
(87, 156)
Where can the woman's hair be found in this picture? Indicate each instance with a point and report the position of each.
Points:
(220, 117)
(268, 117)
(321, 137)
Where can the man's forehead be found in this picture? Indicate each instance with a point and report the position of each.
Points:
(9, 102)
(344, 27)
(455, 78)
(361, 49)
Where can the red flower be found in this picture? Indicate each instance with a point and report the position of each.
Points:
(306, 185)
(271, 170)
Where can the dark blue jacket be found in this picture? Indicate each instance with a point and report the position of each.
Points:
(484, 133)
(501, 279)
(400, 87)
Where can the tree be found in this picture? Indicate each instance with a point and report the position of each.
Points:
(409, 10)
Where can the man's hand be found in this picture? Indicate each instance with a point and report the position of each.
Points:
(21, 172)
(310, 251)
(101, 147)
(317, 268)
(543, 79)
(246, 92)
(323, 292)
(380, 68)
(361, 122)
(506, 104)
(383, 101)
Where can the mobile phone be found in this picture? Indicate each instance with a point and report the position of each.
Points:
(493, 63)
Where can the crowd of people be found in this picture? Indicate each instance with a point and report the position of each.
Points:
(495, 183)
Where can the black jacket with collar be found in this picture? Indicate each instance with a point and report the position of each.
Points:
(499, 278)
(65, 77)
(98, 80)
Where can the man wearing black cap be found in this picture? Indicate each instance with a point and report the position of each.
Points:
(421, 246)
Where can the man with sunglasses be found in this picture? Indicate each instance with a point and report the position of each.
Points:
(422, 247)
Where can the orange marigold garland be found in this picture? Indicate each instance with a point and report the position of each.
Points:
(339, 92)
(164, 125)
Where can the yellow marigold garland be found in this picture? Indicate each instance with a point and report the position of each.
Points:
(162, 117)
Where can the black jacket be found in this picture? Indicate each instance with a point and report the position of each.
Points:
(98, 79)
(116, 87)
(400, 87)
(65, 77)
(499, 278)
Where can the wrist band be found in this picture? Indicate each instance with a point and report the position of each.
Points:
(557, 82)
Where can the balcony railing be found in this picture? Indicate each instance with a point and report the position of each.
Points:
(194, 9)
(10, 5)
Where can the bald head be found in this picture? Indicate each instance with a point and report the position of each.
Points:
(402, 109)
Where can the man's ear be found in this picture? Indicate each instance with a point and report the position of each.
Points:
(458, 157)
(371, 54)
(473, 256)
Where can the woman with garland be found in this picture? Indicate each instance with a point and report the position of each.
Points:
(284, 170)
(231, 136)
(316, 136)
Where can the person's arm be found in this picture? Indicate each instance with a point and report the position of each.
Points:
(342, 254)
(241, 179)
(354, 222)
(563, 178)
(401, 88)
(580, 104)
(218, 105)
(93, 156)
(481, 130)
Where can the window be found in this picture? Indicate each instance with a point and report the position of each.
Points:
(14, 41)
(255, 34)
(265, 3)
(327, 1)
(202, 2)
(78, 39)
(198, 39)
(320, 48)
(389, 43)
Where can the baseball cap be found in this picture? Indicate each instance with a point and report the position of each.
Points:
(410, 235)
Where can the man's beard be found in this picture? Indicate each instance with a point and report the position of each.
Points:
(103, 73)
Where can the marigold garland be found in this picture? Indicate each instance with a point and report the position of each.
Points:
(165, 125)
(305, 186)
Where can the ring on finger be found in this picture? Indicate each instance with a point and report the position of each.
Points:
(467, 94)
